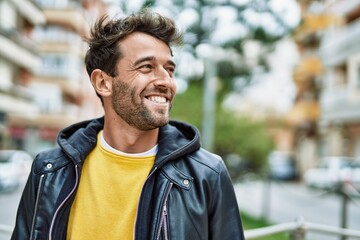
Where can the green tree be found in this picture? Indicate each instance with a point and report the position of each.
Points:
(244, 136)
(240, 135)
(188, 105)
(230, 26)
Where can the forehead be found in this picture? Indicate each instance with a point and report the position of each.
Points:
(139, 44)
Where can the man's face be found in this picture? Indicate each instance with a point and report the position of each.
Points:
(144, 88)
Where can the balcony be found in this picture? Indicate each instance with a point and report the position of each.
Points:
(340, 43)
(69, 87)
(19, 49)
(309, 32)
(58, 39)
(12, 104)
(71, 18)
(30, 11)
(307, 69)
(340, 104)
(302, 112)
(56, 121)
(345, 8)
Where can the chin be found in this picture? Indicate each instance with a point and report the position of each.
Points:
(151, 125)
(161, 123)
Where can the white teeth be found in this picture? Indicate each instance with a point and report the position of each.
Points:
(157, 99)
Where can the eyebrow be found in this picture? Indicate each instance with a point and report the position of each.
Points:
(151, 58)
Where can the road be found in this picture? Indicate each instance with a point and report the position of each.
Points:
(8, 205)
(282, 202)
(285, 202)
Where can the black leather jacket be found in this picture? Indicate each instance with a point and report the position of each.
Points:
(188, 194)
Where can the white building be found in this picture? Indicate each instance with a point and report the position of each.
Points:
(44, 86)
(339, 51)
(18, 59)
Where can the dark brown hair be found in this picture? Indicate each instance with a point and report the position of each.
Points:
(106, 35)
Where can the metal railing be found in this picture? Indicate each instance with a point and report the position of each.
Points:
(297, 229)
(5, 229)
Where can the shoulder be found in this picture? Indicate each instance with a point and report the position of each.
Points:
(50, 160)
(208, 159)
(205, 162)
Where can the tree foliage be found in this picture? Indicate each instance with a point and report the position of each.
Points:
(188, 105)
(228, 25)
(244, 136)
(240, 135)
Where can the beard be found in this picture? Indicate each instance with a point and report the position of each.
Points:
(135, 112)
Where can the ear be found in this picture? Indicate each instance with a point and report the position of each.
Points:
(101, 82)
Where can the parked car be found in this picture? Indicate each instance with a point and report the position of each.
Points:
(282, 166)
(15, 165)
(333, 170)
(239, 168)
(354, 174)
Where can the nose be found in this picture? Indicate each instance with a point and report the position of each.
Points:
(164, 79)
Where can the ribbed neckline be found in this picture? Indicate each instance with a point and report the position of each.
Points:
(148, 153)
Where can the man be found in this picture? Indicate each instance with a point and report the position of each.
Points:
(132, 174)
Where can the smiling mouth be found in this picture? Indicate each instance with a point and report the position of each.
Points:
(157, 99)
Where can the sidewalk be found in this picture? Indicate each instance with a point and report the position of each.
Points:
(285, 202)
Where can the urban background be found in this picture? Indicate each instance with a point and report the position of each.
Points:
(273, 86)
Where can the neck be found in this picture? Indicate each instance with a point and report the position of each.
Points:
(128, 139)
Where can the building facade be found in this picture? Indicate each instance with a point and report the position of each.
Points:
(339, 122)
(44, 86)
(19, 57)
(325, 118)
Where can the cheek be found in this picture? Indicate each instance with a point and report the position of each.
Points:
(137, 82)
(173, 87)
(122, 90)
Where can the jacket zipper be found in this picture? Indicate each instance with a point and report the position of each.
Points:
(163, 221)
(64, 201)
(36, 206)
(142, 188)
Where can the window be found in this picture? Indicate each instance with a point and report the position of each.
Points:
(354, 71)
(7, 75)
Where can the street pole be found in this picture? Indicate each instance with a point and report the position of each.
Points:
(209, 101)
(344, 203)
(266, 198)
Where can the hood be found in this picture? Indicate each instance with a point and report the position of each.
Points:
(176, 139)
(79, 139)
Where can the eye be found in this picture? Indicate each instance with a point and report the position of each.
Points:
(170, 70)
(145, 68)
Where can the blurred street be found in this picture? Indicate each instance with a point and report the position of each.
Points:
(284, 202)
(9, 202)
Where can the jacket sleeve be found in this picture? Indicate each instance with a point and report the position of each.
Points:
(225, 220)
(25, 212)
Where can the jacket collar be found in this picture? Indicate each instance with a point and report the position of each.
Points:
(175, 140)
(79, 139)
